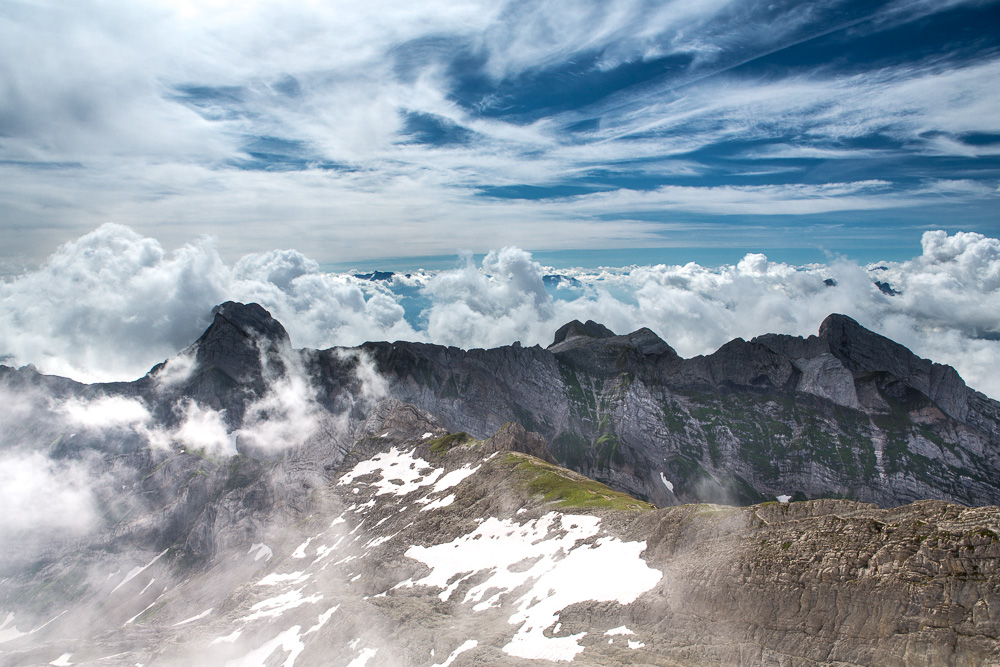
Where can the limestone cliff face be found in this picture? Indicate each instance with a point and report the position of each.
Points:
(847, 413)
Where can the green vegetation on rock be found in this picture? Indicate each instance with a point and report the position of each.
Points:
(567, 488)
(446, 442)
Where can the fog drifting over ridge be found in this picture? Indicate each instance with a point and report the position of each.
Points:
(113, 303)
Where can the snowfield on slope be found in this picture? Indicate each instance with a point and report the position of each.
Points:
(561, 574)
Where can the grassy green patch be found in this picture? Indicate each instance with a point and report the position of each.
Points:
(568, 489)
(446, 442)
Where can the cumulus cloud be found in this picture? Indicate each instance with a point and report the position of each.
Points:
(112, 304)
(46, 492)
(53, 484)
(113, 285)
(946, 307)
(288, 414)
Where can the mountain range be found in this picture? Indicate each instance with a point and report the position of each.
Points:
(602, 501)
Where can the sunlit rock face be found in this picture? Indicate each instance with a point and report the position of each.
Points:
(847, 413)
(311, 517)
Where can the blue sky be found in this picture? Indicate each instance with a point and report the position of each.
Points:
(368, 131)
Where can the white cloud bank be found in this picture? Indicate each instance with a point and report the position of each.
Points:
(112, 303)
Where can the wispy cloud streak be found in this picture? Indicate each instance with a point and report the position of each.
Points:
(387, 130)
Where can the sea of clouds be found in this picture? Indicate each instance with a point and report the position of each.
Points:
(113, 303)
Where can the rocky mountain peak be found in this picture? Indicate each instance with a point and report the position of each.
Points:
(646, 342)
(232, 343)
(866, 353)
(577, 329)
(250, 319)
(593, 343)
(231, 358)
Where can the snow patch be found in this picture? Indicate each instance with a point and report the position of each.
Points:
(263, 551)
(454, 478)
(229, 639)
(323, 618)
(194, 618)
(667, 483)
(288, 641)
(620, 630)
(467, 646)
(561, 574)
(399, 472)
(146, 587)
(426, 435)
(323, 551)
(150, 606)
(635, 645)
(376, 541)
(136, 571)
(274, 579)
(362, 660)
(9, 634)
(783, 499)
(63, 660)
(300, 552)
(439, 503)
(279, 604)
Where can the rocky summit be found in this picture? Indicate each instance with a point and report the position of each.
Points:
(784, 501)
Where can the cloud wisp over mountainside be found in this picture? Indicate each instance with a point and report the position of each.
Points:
(113, 303)
(482, 125)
